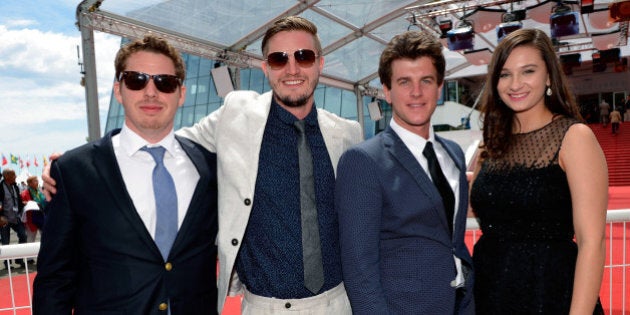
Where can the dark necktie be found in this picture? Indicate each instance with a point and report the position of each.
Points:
(311, 245)
(448, 198)
(165, 202)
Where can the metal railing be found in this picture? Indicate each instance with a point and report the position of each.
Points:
(14, 280)
(614, 292)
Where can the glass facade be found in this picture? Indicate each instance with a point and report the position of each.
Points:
(202, 98)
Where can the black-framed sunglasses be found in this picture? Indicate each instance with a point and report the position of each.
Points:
(304, 57)
(165, 83)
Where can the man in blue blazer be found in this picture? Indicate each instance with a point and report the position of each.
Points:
(401, 253)
(100, 252)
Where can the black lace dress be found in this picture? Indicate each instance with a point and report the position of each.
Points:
(525, 260)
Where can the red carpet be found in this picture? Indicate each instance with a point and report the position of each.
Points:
(617, 150)
(20, 287)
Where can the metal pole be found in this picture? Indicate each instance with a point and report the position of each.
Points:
(360, 118)
(89, 62)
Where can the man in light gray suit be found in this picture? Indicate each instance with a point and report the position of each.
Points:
(260, 242)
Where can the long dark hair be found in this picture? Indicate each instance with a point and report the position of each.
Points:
(498, 118)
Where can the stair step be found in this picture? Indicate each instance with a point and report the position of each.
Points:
(616, 148)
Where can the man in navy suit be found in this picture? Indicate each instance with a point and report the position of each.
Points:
(102, 249)
(401, 253)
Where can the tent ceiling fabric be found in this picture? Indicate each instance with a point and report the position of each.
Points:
(353, 33)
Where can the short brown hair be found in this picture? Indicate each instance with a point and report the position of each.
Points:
(150, 43)
(291, 23)
(412, 45)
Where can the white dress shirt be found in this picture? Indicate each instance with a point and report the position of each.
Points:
(416, 144)
(137, 166)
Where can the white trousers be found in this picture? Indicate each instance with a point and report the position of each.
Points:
(333, 301)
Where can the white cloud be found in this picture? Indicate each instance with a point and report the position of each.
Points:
(42, 108)
(20, 23)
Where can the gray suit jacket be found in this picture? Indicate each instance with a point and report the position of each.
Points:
(235, 133)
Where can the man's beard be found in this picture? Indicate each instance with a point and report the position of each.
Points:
(293, 102)
(298, 101)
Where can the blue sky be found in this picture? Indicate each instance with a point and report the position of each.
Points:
(42, 104)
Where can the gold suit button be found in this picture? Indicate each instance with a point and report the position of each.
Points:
(168, 266)
(163, 306)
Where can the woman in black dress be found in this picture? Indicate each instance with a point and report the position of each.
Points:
(540, 190)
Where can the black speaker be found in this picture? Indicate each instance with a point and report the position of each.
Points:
(598, 64)
(517, 15)
(573, 60)
(445, 26)
(610, 55)
(586, 6)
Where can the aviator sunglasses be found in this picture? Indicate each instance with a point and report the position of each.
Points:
(304, 57)
(134, 80)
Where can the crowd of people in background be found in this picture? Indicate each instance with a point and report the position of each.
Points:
(606, 114)
(22, 210)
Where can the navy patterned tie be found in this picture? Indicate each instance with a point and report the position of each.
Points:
(448, 198)
(311, 245)
(165, 202)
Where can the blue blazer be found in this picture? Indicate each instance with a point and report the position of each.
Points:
(396, 251)
(97, 255)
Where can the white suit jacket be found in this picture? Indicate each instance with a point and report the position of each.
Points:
(235, 133)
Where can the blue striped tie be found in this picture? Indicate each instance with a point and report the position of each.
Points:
(165, 202)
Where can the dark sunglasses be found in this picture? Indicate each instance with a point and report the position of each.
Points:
(165, 83)
(304, 57)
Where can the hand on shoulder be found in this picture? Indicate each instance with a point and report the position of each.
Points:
(49, 182)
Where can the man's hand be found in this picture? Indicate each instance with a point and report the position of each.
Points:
(49, 182)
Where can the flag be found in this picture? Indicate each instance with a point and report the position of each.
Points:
(14, 159)
(35, 161)
(45, 160)
(4, 160)
(21, 163)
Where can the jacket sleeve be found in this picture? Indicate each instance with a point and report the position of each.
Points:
(358, 199)
(54, 287)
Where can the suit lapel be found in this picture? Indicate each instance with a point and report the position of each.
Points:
(332, 138)
(195, 207)
(105, 162)
(401, 152)
(459, 163)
